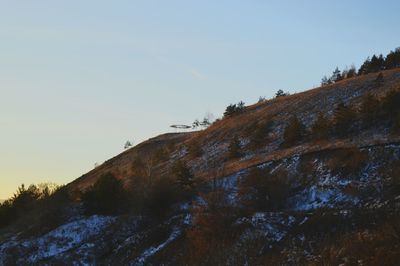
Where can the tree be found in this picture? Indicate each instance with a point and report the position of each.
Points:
(184, 177)
(259, 133)
(234, 148)
(294, 132)
(391, 105)
(107, 196)
(213, 229)
(127, 145)
(281, 93)
(351, 72)
(325, 81)
(344, 119)
(320, 128)
(233, 109)
(377, 64)
(369, 109)
(393, 59)
(336, 75)
(263, 191)
(365, 67)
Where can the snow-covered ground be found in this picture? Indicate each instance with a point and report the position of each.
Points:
(55, 243)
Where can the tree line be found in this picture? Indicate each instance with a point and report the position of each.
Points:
(373, 64)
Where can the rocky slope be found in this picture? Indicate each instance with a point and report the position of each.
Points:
(319, 202)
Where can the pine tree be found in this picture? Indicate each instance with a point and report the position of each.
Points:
(344, 119)
(336, 75)
(352, 72)
(325, 81)
(369, 109)
(280, 93)
(234, 148)
(294, 132)
(393, 59)
(320, 128)
(364, 68)
(183, 175)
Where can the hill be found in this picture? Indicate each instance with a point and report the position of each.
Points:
(309, 178)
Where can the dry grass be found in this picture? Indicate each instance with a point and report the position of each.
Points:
(305, 105)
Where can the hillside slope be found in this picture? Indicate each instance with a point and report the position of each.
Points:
(314, 201)
(214, 140)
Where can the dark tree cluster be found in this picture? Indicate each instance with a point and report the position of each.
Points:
(348, 120)
(234, 109)
(373, 64)
(281, 93)
(47, 200)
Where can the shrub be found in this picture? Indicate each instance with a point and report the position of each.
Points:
(106, 196)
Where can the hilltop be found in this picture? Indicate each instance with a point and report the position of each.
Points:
(309, 178)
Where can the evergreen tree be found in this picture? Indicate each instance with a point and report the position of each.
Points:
(364, 68)
(393, 59)
(281, 93)
(234, 148)
(106, 197)
(369, 109)
(391, 103)
(294, 132)
(352, 72)
(344, 119)
(325, 81)
(320, 128)
(183, 175)
(336, 75)
(376, 64)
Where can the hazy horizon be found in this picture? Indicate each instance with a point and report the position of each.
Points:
(78, 79)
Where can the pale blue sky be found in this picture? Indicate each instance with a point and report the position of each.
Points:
(79, 78)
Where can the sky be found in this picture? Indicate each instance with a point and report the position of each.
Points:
(79, 78)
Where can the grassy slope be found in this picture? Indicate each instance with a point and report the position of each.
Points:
(215, 139)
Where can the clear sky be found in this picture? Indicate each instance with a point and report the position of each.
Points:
(79, 78)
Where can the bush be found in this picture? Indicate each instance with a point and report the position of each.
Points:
(105, 197)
